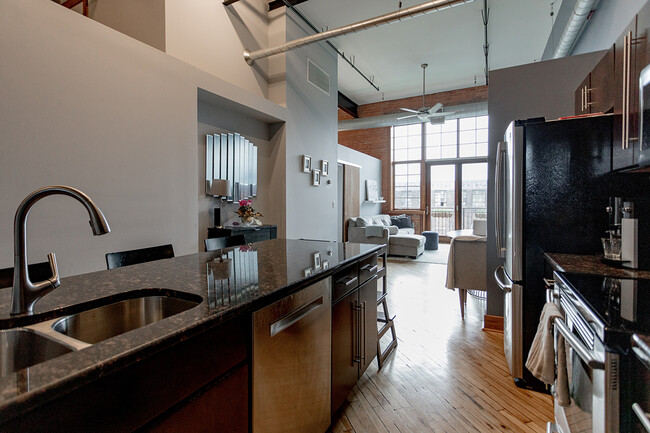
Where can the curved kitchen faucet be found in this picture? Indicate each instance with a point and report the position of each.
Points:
(25, 292)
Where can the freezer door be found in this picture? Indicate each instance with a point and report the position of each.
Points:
(514, 201)
(512, 323)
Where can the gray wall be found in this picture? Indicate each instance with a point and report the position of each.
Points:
(544, 89)
(370, 170)
(605, 25)
(83, 105)
(311, 129)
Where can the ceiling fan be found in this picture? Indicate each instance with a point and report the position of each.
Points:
(432, 114)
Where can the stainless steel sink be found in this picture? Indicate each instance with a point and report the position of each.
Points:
(101, 323)
(21, 348)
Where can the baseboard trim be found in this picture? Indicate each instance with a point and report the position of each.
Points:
(493, 323)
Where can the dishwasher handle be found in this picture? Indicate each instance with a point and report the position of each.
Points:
(295, 316)
(642, 415)
(577, 345)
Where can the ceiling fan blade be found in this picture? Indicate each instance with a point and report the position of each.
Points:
(409, 110)
(406, 117)
(435, 108)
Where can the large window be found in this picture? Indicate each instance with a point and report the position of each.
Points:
(414, 145)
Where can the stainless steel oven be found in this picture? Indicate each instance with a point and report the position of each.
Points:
(600, 315)
(592, 371)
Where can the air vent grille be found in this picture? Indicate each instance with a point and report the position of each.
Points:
(318, 77)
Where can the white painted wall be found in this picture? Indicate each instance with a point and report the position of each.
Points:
(212, 37)
(143, 20)
(83, 105)
(370, 170)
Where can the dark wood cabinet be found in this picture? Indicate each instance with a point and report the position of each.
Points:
(155, 391)
(251, 233)
(354, 326)
(221, 407)
(596, 93)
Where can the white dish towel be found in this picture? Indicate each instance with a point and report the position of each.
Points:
(541, 358)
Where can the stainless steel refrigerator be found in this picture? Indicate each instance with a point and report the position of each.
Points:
(551, 194)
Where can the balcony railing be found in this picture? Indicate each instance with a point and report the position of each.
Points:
(442, 219)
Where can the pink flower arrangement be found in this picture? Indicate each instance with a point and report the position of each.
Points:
(247, 214)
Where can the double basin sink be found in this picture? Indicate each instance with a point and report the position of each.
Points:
(24, 347)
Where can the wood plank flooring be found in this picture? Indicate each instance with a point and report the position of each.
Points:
(447, 375)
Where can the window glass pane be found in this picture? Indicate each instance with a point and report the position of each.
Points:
(400, 169)
(401, 155)
(467, 150)
(415, 129)
(467, 136)
(400, 142)
(400, 131)
(448, 138)
(467, 123)
(474, 191)
(449, 125)
(481, 149)
(429, 128)
(448, 151)
(415, 154)
(481, 135)
(482, 122)
(414, 142)
(433, 152)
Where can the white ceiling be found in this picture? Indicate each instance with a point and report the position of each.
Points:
(450, 41)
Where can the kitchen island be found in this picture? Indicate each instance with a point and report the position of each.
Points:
(168, 372)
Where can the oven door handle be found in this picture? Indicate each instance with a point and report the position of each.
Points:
(643, 417)
(577, 345)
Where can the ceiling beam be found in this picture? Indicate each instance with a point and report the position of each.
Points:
(348, 105)
(275, 4)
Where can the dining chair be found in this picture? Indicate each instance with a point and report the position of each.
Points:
(132, 257)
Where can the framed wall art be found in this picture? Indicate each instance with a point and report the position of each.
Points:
(306, 163)
(315, 177)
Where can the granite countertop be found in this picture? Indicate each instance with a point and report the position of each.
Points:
(591, 264)
(247, 278)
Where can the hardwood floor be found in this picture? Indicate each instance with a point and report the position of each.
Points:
(446, 375)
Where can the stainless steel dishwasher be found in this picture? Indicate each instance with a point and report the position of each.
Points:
(292, 362)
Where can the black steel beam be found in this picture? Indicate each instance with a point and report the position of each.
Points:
(275, 4)
(348, 105)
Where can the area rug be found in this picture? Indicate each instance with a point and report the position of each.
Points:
(438, 256)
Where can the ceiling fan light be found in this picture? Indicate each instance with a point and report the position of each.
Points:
(437, 120)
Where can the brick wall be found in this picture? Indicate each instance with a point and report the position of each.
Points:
(376, 141)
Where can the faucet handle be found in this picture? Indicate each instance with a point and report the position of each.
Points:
(55, 281)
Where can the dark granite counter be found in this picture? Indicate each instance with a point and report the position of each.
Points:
(591, 264)
(244, 280)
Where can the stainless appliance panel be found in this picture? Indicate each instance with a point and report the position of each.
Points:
(512, 323)
(291, 372)
(514, 170)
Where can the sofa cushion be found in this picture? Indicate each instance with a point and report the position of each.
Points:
(365, 221)
(401, 221)
(383, 220)
(375, 231)
(407, 240)
(393, 230)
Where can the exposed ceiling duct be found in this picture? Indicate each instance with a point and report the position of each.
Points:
(389, 18)
(574, 27)
(463, 110)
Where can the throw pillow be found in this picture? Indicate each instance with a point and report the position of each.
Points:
(364, 221)
(401, 221)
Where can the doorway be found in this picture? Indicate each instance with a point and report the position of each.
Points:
(456, 195)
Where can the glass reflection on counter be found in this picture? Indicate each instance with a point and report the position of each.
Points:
(232, 277)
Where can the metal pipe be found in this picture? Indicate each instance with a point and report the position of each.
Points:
(302, 17)
(389, 18)
(573, 27)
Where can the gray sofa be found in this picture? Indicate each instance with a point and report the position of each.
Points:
(377, 229)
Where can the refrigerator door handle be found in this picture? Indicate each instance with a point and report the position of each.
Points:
(502, 285)
(501, 149)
